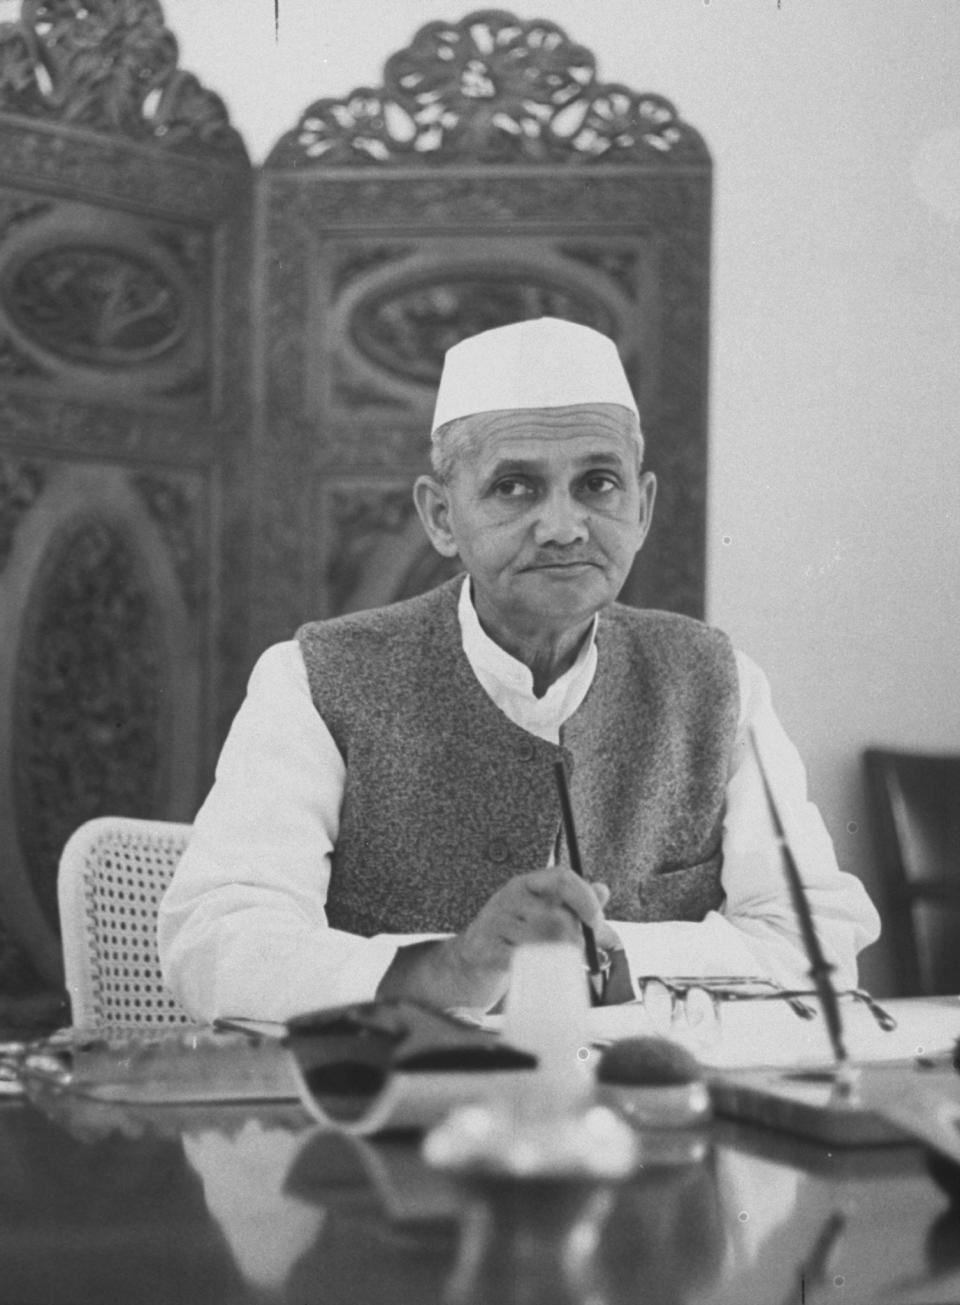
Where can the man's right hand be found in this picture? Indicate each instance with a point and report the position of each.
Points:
(473, 967)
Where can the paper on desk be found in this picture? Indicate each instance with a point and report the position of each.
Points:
(759, 1034)
(762, 1034)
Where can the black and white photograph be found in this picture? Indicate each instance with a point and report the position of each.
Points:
(479, 610)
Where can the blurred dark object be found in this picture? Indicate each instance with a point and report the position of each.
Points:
(946, 1174)
(915, 801)
(28, 1006)
(347, 1054)
(944, 1171)
(33, 1015)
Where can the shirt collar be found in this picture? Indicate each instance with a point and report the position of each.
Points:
(484, 654)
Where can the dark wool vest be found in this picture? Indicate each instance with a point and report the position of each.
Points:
(446, 798)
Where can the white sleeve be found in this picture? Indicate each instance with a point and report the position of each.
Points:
(755, 931)
(242, 928)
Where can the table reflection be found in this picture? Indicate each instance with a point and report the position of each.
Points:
(91, 1215)
(256, 1205)
(243, 1179)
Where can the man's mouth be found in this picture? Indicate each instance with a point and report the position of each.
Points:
(567, 564)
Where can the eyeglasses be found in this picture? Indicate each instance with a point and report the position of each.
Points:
(695, 1000)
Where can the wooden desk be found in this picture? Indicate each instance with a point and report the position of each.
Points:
(104, 1205)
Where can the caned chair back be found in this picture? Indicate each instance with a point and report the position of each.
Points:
(113, 872)
(915, 800)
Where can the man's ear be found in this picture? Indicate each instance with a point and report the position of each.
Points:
(430, 497)
(648, 494)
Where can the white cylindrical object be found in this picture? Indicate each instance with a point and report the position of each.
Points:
(547, 1014)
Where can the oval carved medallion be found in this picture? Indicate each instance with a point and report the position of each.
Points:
(96, 306)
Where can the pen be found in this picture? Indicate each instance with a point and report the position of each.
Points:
(569, 829)
(820, 967)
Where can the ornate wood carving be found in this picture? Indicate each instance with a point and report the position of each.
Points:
(16, 365)
(21, 482)
(112, 68)
(45, 421)
(108, 169)
(90, 94)
(101, 302)
(124, 286)
(396, 318)
(173, 503)
(491, 88)
(407, 330)
(376, 550)
(90, 681)
(95, 305)
(358, 519)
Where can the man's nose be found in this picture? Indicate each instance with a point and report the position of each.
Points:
(562, 520)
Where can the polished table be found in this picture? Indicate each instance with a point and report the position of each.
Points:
(224, 1204)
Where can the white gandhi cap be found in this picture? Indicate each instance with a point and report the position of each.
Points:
(545, 363)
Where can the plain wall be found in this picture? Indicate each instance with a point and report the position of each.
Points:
(834, 496)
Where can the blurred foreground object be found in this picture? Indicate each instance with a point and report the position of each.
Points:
(538, 1167)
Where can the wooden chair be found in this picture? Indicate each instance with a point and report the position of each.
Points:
(113, 872)
(915, 803)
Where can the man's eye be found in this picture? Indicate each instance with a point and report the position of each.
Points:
(511, 487)
(600, 483)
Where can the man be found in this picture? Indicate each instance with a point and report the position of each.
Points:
(384, 819)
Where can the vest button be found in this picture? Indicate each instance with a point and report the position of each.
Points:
(497, 850)
(526, 750)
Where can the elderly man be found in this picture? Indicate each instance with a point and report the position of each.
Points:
(384, 819)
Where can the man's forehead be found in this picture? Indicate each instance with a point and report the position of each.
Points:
(540, 455)
(489, 434)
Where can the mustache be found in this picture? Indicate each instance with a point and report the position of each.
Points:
(563, 559)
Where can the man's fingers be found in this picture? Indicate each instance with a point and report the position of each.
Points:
(602, 893)
(608, 938)
(547, 903)
(543, 883)
(561, 886)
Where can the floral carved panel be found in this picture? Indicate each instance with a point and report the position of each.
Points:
(53, 68)
(489, 89)
(124, 448)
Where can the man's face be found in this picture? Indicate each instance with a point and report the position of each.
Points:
(546, 510)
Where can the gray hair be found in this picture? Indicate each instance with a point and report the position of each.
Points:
(449, 441)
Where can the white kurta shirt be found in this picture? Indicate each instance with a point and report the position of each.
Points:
(243, 929)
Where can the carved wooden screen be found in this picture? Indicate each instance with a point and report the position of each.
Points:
(493, 177)
(123, 192)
